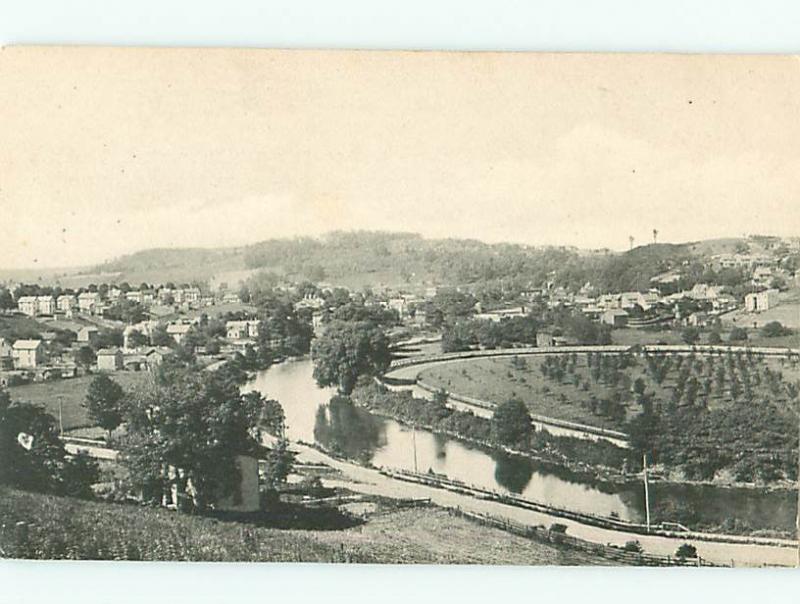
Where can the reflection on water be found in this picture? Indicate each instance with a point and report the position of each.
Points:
(346, 430)
(341, 427)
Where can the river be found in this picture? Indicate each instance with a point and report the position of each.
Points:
(362, 436)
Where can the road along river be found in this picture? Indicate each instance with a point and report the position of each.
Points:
(356, 434)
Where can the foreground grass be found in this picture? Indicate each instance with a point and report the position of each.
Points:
(63, 528)
(72, 393)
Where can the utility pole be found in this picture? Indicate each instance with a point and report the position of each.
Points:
(630, 240)
(414, 441)
(61, 415)
(646, 490)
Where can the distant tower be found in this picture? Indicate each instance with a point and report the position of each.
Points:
(655, 236)
(630, 240)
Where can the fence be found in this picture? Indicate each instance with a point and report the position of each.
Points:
(609, 552)
(456, 486)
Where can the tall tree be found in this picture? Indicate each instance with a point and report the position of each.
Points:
(103, 402)
(511, 423)
(185, 430)
(348, 350)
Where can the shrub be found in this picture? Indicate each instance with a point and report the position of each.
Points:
(633, 546)
(686, 550)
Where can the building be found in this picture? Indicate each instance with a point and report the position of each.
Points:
(155, 356)
(498, 315)
(544, 339)
(6, 350)
(88, 334)
(28, 354)
(109, 359)
(178, 331)
(45, 305)
(761, 301)
(28, 305)
(66, 303)
(615, 317)
(88, 302)
(239, 330)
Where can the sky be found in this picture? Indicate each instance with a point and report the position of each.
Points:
(106, 152)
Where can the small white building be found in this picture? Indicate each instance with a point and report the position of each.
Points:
(761, 301)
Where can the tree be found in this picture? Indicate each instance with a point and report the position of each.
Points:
(348, 350)
(102, 402)
(737, 334)
(85, 357)
(714, 338)
(136, 339)
(279, 462)
(6, 299)
(33, 456)
(774, 329)
(690, 335)
(184, 430)
(160, 337)
(511, 423)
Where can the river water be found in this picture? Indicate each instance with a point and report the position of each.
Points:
(360, 435)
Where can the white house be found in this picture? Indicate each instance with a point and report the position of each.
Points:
(65, 303)
(761, 301)
(88, 301)
(178, 331)
(28, 305)
(239, 330)
(28, 354)
(45, 305)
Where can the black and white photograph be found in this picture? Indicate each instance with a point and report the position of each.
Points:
(389, 307)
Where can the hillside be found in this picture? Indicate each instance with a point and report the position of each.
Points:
(64, 528)
(380, 259)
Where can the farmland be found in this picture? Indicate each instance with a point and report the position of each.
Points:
(570, 396)
(72, 393)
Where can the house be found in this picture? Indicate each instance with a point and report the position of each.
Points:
(66, 303)
(311, 301)
(230, 298)
(45, 305)
(615, 317)
(88, 334)
(505, 313)
(28, 354)
(28, 305)
(88, 301)
(762, 275)
(545, 339)
(178, 331)
(134, 296)
(698, 319)
(155, 356)
(109, 359)
(761, 301)
(239, 330)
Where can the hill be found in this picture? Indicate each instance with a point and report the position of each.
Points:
(64, 528)
(381, 259)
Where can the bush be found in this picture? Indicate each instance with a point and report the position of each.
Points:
(774, 329)
(686, 550)
(737, 334)
(633, 546)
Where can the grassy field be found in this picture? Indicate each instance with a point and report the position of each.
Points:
(73, 529)
(72, 393)
(13, 327)
(498, 379)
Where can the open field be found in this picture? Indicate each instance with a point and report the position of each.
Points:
(500, 379)
(73, 393)
(70, 528)
(13, 327)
